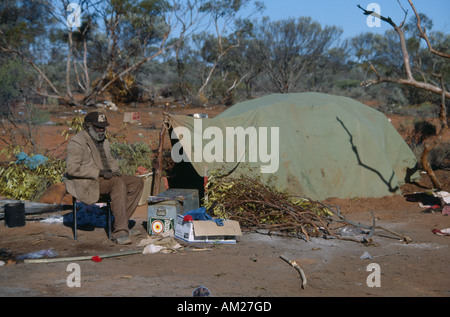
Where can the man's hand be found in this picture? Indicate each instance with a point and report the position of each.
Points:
(106, 174)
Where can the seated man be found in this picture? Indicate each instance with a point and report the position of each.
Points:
(92, 171)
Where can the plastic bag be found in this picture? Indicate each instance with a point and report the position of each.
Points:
(48, 253)
(31, 162)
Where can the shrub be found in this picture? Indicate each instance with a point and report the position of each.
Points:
(423, 130)
(20, 182)
(132, 156)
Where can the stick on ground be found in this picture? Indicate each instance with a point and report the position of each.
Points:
(297, 267)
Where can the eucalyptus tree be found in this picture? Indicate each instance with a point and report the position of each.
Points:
(116, 37)
(291, 47)
(24, 26)
(226, 18)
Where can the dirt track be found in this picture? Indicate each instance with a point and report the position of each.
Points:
(252, 267)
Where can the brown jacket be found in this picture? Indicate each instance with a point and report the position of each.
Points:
(83, 167)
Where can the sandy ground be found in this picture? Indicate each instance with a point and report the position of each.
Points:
(250, 268)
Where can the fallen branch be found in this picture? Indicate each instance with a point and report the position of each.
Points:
(372, 228)
(297, 267)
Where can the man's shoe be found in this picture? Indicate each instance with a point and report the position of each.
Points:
(134, 232)
(122, 240)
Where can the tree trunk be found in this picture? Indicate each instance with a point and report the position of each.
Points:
(430, 144)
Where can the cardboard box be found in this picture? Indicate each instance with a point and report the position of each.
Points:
(207, 231)
(131, 117)
(158, 225)
(148, 180)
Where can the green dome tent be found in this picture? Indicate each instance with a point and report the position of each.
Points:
(315, 145)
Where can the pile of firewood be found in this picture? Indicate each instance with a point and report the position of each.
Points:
(258, 205)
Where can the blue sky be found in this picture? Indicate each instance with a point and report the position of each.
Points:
(344, 13)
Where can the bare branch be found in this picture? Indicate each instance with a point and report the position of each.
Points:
(433, 141)
(410, 80)
(375, 14)
(423, 34)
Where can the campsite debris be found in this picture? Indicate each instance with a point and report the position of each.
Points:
(30, 207)
(32, 162)
(366, 255)
(351, 231)
(206, 231)
(442, 232)
(446, 210)
(131, 117)
(52, 219)
(96, 258)
(162, 244)
(297, 267)
(430, 199)
(81, 258)
(366, 240)
(199, 115)
(444, 196)
(5, 255)
(15, 215)
(47, 253)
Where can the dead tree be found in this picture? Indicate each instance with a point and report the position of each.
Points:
(433, 141)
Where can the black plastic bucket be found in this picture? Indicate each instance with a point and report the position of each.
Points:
(15, 215)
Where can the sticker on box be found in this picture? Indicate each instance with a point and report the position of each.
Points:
(160, 225)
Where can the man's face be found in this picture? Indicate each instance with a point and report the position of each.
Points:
(97, 133)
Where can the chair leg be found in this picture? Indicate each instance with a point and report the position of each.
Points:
(74, 201)
(108, 218)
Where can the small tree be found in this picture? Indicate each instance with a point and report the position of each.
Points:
(290, 49)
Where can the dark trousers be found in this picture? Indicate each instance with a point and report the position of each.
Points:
(125, 192)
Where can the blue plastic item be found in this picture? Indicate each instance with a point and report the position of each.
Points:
(31, 162)
(200, 214)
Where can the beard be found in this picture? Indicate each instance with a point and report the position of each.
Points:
(97, 136)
